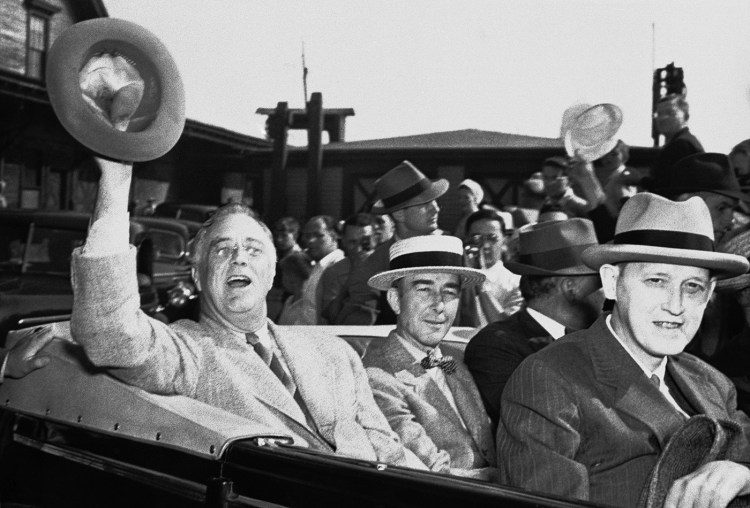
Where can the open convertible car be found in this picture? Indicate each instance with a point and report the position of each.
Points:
(72, 435)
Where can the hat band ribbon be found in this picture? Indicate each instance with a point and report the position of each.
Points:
(667, 239)
(555, 259)
(428, 258)
(408, 193)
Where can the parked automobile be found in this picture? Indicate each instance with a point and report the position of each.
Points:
(188, 211)
(165, 241)
(75, 436)
(35, 254)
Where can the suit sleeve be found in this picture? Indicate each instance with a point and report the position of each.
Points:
(491, 361)
(388, 392)
(385, 442)
(115, 333)
(538, 435)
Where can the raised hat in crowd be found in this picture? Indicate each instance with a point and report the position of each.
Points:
(116, 89)
(426, 254)
(553, 248)
(654, 229)
(593, 133)
(703, 172)
(405, 186)
(474, 188)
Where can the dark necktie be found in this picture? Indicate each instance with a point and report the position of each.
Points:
(273, 362)
(446, 363)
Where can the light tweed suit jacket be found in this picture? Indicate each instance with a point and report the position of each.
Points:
(205, 361)
(420, 413)
(581, 419)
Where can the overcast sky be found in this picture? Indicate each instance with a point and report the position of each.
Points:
(418, 66)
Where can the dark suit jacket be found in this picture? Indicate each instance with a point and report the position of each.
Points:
(580, 418)
(681, 145)
(420, 413)
(496, 350)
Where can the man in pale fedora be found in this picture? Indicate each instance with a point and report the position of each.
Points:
(588, 416)
(409, 197)
(562, 294)
(422, 386)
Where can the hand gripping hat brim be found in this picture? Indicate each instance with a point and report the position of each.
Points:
(426, 254)
(593, 134)
(158, 121)
(653, 229)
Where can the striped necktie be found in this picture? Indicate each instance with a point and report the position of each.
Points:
(273, 362)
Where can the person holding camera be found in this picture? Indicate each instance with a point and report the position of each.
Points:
(499, 296)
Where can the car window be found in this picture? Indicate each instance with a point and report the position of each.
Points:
(49, 250)
(168, 245)
(12, 245)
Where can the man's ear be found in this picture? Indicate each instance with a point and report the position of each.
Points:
(568, 287)
(609, 275)
(394, 300)
(196, 277)
(398, 216)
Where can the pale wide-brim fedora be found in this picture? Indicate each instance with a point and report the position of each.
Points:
(405, 186)
(426, 254)
(654, 229)
(131, 81)
(553, 248)
(593, 133)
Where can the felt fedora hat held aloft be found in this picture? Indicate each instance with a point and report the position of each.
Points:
(654, 229)
(593, 134)
(426, 254)
(553, 248)
(116, 89)
(703, 172)
(405, 186)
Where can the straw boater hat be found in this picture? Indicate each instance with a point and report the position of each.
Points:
(553, 248)
(699, 172)
(474, 188)
(593, 133)
(654, 229)
(405, 186)
(426, 254)
(133, 107)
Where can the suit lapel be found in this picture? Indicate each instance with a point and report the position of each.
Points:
(697, 389)
(472, 411)
(632, 393)
(310, 378)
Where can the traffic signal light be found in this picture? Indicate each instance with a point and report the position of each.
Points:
(669, 80)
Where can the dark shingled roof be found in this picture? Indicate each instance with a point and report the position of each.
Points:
(468, 138)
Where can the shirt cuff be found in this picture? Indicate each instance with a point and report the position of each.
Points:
(109, 235)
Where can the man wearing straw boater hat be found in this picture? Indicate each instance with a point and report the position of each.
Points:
(312, 389)
(409, 197)
(588, 416)
(561, 293)
(422, 386)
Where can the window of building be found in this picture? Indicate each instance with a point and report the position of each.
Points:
(37, 40)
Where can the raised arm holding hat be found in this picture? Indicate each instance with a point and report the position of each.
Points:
(314, 389)
(420, 384)
(589, 416)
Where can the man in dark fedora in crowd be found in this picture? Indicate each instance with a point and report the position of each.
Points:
(562, 294)
(671, 119)
(422, 386)
(409, 197)
(588, 416)
(314, 389)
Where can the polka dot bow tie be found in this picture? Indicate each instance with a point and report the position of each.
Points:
(446, 363)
